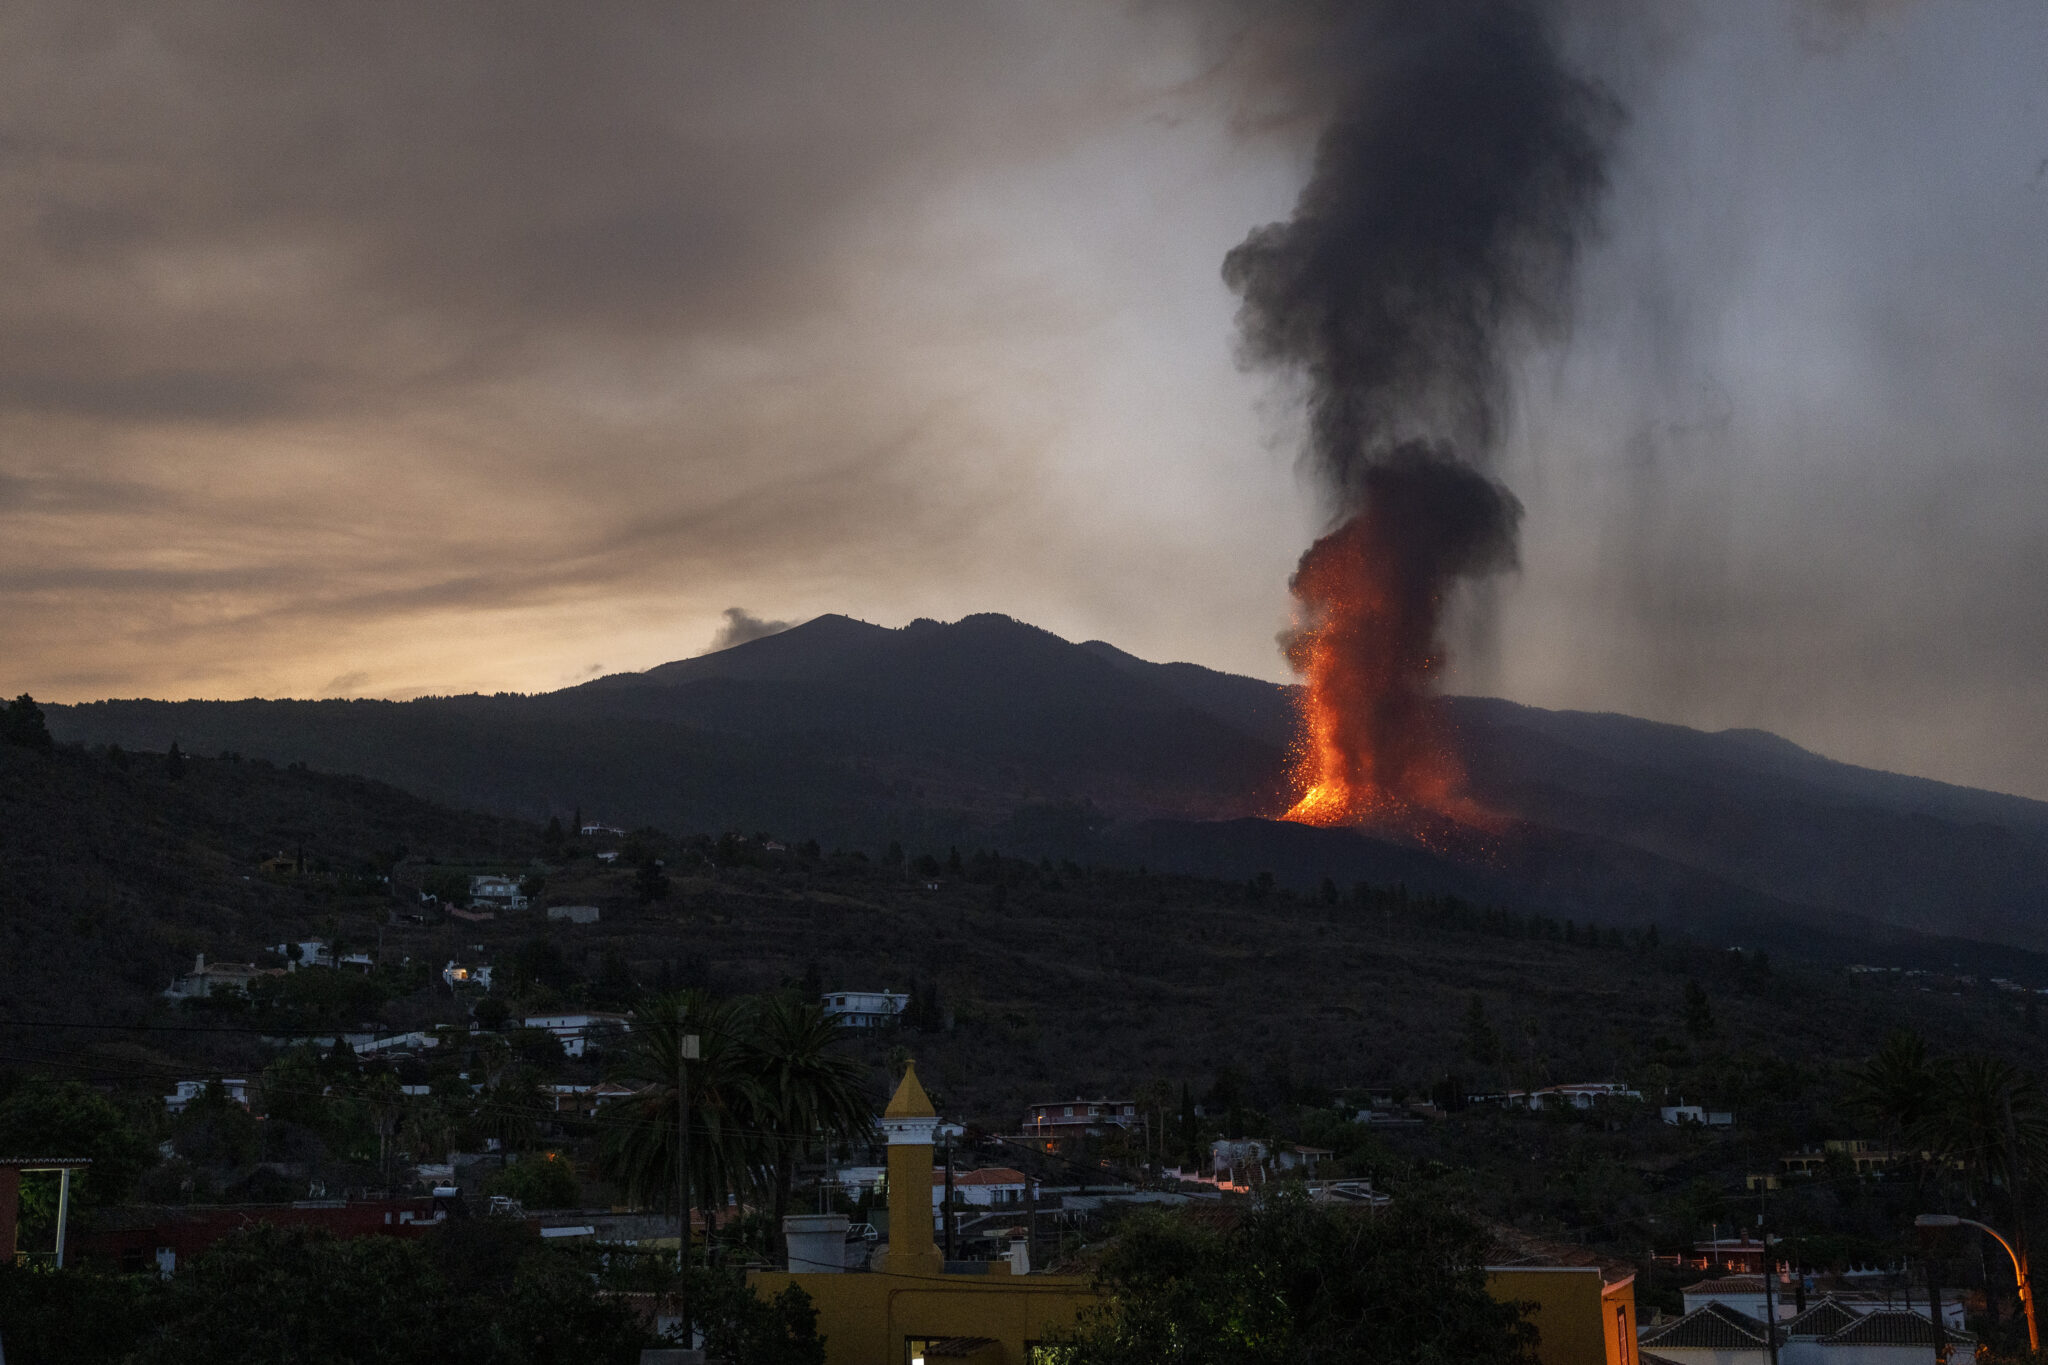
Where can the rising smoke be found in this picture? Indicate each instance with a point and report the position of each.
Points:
(1455, 177)
(741, 626)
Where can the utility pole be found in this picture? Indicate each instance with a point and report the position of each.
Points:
(1934, 1307)
(1770, 1308)
(1031, 1217)
(686, 1051)
(949, 1201)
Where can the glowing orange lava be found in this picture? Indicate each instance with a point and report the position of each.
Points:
(1374, 747)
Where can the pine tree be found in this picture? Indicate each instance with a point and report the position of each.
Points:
(174, 763)
(1482, 1044)
(22, 723)
(1699, 1013)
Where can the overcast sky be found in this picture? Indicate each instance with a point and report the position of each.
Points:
(377, 350)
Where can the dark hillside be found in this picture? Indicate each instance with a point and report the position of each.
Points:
(113, 874)
(962, 733)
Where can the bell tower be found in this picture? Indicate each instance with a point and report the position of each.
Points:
(907, 1124)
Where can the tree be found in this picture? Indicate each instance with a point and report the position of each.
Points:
(638, 1147)
(1291, 1282)
(22, 723)
(541, 1180)
(273, 1294)
(1898, 1088)
(1481, 1043)
(1993, 1118)
(174, 763)
(552, 838)
(43, 1117)
(740, 1325)
(76, 1316)
(650, 883)
(539, 962)
(805, 1092)
(1699, 1013)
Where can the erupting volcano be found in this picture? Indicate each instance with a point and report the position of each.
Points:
(1371, 595)
(1456, 172)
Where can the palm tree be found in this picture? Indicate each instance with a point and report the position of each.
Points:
(639, 1145)
(1992, 1119)
(1899, 1088)
(806, 1092)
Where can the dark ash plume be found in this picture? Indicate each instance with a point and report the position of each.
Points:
(1450, 191)
(1455, 177)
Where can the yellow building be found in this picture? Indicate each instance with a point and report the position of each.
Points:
(1584, 1315)
(916, 1309)
(913, 1307)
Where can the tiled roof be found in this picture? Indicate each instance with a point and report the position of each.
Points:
(1728, 1284)
(1820, 1319)
(1645, 1358)
(1892, 1327)
(1710, 1327)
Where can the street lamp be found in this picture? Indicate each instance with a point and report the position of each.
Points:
(2019, 1267)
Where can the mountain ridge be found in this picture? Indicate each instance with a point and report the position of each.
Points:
(942, 733)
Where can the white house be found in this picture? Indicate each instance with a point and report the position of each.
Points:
(502, 892)
(1678, 1114)
(1582, 1095)
(187, 1091)
(318, 952)
(988, 1188)
(1238, 1158)
(579, 1030)
(1295, 1157)
(204, 979)
(368, 1044)
(864, 1009)
(313, 952)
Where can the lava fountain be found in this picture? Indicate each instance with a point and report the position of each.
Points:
(1370, 595)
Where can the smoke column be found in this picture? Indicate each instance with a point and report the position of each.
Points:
(1452, 184)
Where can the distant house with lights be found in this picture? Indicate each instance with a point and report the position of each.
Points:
(864, 1009)
(1066, 1121)
(457, 974)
